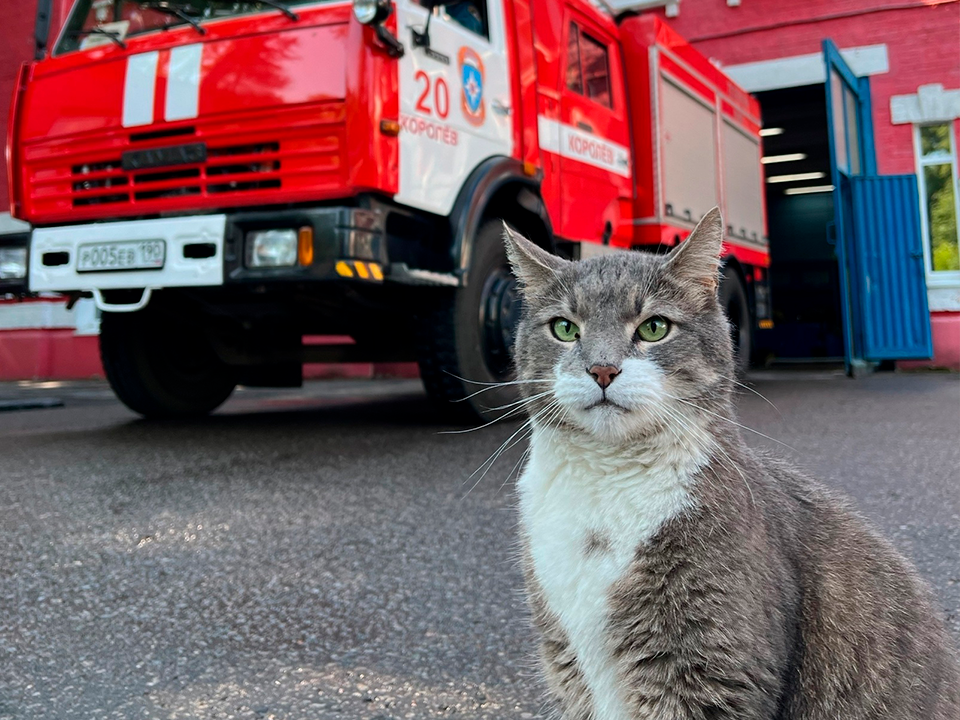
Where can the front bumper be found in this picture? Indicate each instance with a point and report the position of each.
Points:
(208, 250)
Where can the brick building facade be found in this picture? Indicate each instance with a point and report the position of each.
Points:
(909, 49)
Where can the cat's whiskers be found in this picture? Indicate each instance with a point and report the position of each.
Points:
(732, 422)
(518, 406)
(507, 444)
(497, 384)
(497, 387)
(683, 424)
(522, 401)
(523, 456)
(750, 389)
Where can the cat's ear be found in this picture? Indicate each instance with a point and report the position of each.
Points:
(697, 259)
(533, 266)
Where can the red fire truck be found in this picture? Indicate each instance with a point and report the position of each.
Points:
(229, 177)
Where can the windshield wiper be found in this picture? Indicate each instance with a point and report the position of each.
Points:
(171, 9)
(114, 36)
(282, 7)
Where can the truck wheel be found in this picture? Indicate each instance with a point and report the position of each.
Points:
(733, 301)
(466, 335)
(160, 367)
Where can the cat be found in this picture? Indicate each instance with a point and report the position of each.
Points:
(673, 573)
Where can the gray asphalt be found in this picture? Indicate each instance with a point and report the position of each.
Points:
(320, 553)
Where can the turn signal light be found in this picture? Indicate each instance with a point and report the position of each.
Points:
(390, 127)
(305, 246)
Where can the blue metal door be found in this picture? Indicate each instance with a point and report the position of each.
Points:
(889, 251)
(883, 290)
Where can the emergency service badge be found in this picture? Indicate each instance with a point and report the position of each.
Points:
(471, 93)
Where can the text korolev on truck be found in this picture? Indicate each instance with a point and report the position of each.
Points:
(229, 180)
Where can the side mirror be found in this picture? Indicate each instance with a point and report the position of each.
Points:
(374, 12)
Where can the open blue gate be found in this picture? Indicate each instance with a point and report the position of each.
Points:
(878, 238)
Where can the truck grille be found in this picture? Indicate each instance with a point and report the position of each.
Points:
(278, 159)
(234, 168)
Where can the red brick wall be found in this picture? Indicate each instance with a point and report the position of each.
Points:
(922, 39)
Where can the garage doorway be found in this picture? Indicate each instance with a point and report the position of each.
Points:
(804, 276)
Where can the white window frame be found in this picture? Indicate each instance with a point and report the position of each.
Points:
(936, 278)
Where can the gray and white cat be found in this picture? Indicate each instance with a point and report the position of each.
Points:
(673, 573)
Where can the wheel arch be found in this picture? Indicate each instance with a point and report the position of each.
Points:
(497, 188)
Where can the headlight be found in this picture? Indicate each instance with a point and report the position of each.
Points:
(13, 263)
(371, 11)
(271, 248)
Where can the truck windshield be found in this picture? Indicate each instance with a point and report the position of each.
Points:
(101, 22)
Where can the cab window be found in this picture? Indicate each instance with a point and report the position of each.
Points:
(596, 69)
(588, 67)
(93, 23)
(469, 14)
(574, 78)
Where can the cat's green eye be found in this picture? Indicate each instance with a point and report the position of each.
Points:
(565, 330)
(656, 328)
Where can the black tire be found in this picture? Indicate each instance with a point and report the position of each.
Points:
(161, 366)
(733, 301)
(465, 336)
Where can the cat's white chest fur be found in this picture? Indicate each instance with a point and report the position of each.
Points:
(585, 511)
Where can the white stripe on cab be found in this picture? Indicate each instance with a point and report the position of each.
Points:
(139, 87)
(183, 84)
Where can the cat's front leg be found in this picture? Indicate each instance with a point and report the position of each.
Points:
(687, 648)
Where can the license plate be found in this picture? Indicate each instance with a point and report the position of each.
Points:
(131, 255)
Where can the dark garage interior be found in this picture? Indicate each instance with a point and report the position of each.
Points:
(805, 284)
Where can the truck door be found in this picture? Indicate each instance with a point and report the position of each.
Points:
(592, 138)
(455, 98)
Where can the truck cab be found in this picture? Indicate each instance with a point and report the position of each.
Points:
(227, 179)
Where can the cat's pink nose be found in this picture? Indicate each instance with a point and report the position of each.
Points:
(604, 374)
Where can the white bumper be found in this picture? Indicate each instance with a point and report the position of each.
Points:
(177, 271)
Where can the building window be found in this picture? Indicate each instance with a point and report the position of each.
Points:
(939, 194)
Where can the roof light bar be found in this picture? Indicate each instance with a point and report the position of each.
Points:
(796, 177)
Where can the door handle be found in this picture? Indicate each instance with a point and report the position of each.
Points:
(500, 109)
(585, 126)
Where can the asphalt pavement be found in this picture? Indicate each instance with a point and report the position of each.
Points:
(325, 553)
